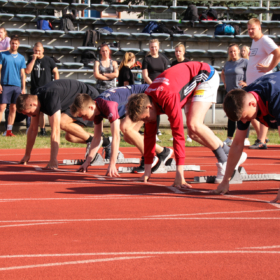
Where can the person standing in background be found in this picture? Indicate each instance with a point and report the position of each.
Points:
(180, 51)
(153, 65)
(105, 70)
(245, 51)
(264, 56)
(4, 40)
(125, 75)
(233, 72)
(41, 68)
(12, 65)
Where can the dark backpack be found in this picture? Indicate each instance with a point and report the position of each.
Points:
(88, 57)
(224, 29)
(212, 13)
(150, 27)
(177, 30)
(191, 14)
(66, 25)
(90, 38)
(163, 29)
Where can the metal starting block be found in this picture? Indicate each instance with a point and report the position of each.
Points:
(239, 176)
(99, 161)
(169, 166)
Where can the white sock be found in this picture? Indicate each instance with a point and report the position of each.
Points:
(9, 127)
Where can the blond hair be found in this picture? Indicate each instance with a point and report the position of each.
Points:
(254, 21)
(5, 31)
(180, 45)
(128, 56)
(151, 42)
(248, 49)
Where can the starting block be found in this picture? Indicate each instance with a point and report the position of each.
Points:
(99, 161)
(169, 166)
(239, 176)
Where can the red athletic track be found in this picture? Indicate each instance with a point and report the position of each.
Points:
(66, 225)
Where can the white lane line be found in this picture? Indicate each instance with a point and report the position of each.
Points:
(88, 198)
(52, 183)
(34, 224)
(143, 219)
(37, 168)
(217, 213)
(263, 247)
(70, 263)
(141, 253)
(254, 199)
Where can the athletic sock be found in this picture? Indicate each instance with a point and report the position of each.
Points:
(89, 139)
(106, 141)
(10, 127)
(220, 154)
(226, 148)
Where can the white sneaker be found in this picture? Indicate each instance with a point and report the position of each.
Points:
(247, 142)
(228, 141)
(155, 161)
(159, 133)
(222, 168)
(189, 139)
(157, 139)
(171, 139)
(4, 133)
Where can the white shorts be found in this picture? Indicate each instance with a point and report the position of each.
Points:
(205, 92)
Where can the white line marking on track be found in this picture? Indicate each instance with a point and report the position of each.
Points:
(147, 253)
(263, 247)
(70, 263)
(144, 219)
(35, 224)
(37, 168)
(218, 213)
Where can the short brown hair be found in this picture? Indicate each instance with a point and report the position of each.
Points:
(136, 106)
(234, 103)
(21, 101)
(15, 38)
(81, 101)
(254, 21)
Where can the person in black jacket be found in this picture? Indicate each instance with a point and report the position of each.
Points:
(125, 75)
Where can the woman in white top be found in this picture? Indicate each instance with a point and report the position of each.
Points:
(4, 40)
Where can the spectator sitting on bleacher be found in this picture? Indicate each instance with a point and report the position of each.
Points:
(180, 55)
(41, 68)
(105, 70)
(125, 75)
(4, 40)
(12, 65)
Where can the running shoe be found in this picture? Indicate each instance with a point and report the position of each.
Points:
(222, 168)
(141, 167)
(258, 145)
(9, 133)
(171, 139)
(159, 133)
(87, 149)
(163, 157)
(246, 143)
(157, 139)
(228, 141)
(4, 133)
(107, 149)
(189, 139)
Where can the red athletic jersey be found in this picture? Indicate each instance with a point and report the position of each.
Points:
(169, 92)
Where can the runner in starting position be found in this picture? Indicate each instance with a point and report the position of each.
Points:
(111, 105)
(260, 100)
(192, 85)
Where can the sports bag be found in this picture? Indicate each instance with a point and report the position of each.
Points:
(150, 27)
(163, 29)
(43, 24)
(224, 29)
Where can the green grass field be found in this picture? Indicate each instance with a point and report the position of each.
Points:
(19, 141)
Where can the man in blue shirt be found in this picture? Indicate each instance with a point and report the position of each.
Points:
(111, 105)
(12, 65)
(261, 101)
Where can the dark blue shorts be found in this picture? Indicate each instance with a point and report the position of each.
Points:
(9, 94)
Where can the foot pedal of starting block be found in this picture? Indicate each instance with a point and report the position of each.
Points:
(171, 166)
(124, 160)
(125, 169)
(97, 161)
(73, 162)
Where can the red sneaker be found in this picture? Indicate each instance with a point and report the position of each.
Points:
(9, 133)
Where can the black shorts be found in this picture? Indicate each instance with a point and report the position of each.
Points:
(79, 121)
